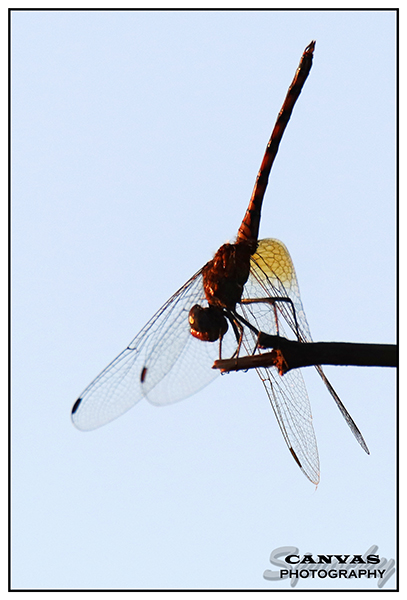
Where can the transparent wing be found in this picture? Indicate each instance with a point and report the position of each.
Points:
(273, 277)
(274, 266)
(163, 363)
(289, 399)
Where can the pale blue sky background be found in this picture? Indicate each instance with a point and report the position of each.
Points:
(137, 137)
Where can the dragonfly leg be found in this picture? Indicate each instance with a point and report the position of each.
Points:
(276, 318)
(238, 321)
(220, 347)
(273, 300)
(238, 329)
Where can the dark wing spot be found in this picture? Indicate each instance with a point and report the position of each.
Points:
(143, 374)
(295, 458)
(76, 405)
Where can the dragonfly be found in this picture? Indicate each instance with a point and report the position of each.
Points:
(249, 287)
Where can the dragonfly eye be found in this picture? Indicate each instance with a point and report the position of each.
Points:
(207, 324)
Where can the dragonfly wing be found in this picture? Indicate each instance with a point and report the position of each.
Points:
(163, 363)
(289, 400)
(114, 391)
(273, 275)
(186, 364)
(351, 423)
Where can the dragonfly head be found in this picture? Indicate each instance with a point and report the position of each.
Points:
(207, 324)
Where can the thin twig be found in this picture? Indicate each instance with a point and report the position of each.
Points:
(290, 354)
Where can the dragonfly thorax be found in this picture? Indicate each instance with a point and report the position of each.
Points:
(223, 280)
(225, 275)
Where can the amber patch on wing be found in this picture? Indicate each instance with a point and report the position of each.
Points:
(273, 258)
